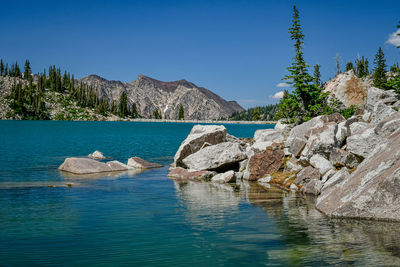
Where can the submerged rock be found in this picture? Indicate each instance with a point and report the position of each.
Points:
(226, 177)
(96, 155)
(200, 134)
(184, 174)
(88, 166)
(138, 163)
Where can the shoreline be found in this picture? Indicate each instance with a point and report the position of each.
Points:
(164, 120)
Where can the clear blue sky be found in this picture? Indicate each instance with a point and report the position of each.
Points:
(238, 49)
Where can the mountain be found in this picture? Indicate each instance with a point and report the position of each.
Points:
(150, 94)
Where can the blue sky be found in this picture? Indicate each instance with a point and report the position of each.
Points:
(238, 49)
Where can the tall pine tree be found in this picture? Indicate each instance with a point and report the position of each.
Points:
(380, 70)
(317, 75)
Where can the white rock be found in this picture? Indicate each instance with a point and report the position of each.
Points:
(268, 135)
(328, 175)
(321, 163)
(261, 146)
(265, 180)
(226, 177)
(96, 155)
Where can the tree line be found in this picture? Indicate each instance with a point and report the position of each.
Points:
(27, 93)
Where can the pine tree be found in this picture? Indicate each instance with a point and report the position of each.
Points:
(28, 71)
(256, 114)
(349, 66)
(123, 105)
(307, 100)
(337, 65)
(156, 114)
(395, 68)
(380, 70)
(181, 114)
(317, 75)
(17, 70)
(398, 27)
(134, 113)
(1, 67)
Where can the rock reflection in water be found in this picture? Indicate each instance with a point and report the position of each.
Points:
(314, 238)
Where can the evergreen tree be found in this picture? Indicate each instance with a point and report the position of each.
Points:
(317, 76)
(307, 100)
(181, 114)
(337, 65)
(28, 71)
(395, 68)
(349, 66)
(380, 70)
(6, 72)
(256, 115)
(17, 70)
(398, 27)
(134, 113)
(156, 114)
(1, 67)
(361, 67)
(123, 105)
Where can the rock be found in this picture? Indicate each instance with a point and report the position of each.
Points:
(381, 112)
(84, 166)
(184, 174)
(358, 127)
(138, 163)
(243, 165)
(307, 174)
(347, 88)
(363, 143)
(96, 155)
(226, 177)
(321, 163)
(343, 131)
(293, 187)
(268, 135)
(336, 178)
(266, 162)
(313, 187)
(239, 175)
(343, 158)
(292, 165)
(321, 140)
(297, 135)
(261, 146)
(297, 146)
(328, 175)
(373, 190)
(200, 134)
(221, 157)
(283, 128)
(265, 180)
(375, 95)
(117, 166)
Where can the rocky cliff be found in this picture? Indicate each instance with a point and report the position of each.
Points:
(150, 94)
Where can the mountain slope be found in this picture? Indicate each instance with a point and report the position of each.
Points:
(150, 94)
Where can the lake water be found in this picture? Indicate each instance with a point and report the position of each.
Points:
(148, 219)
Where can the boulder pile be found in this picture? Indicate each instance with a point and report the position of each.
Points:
(351, 165)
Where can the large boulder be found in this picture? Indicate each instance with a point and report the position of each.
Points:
(268, 135)
(363, 143)
(89, 166)
(381, 111)
(347, 88)
(221, 157)
(313, 187)
(138, 163)
(343, 158)
(263, 163)
(376, 95)
(321, 163)
(199, 135)
(226, 177)
(184, 174)
(370, 192)
(299, 135)
(321, 140)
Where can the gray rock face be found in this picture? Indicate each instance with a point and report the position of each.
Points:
(370, 192)
(376, 95)
(343, 158)
(268, 135)
(89, 166)
(313, 187)
(226, 177)
(199, 135)
(381, 111)
(321, 163)
(363, 143)
(138, 163)
(216, 157)
(321, 140)
(149, 94)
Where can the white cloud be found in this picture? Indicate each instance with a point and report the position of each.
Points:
(283, 85)
(278, 95)
(394, 38)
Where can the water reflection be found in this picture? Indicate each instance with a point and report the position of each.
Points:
(100, 175)
(309, 237)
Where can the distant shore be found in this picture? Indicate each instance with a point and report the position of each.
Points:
(205, 121)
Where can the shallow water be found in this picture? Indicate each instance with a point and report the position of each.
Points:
(148, 219)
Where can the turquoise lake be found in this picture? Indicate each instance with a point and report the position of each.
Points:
(148, 219)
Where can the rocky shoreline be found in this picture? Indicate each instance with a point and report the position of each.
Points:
(351, 165)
